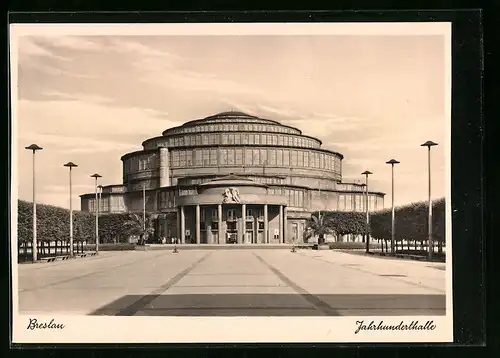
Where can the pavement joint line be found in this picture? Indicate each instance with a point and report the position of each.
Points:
(376, 274)
(321, 306)
(74, 278)
(230, 286)
(229, 274)
(147, 299)
(99, 288)
(231, 308)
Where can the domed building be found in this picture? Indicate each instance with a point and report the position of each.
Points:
(232, 178)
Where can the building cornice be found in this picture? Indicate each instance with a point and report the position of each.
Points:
(231, 132)
(148, 151)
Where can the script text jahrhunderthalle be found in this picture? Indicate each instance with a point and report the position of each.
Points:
(402, 326)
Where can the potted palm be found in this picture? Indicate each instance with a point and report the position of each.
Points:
(136, 225)
(319, 226)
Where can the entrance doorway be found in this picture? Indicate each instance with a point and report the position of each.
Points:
(260, 233)
(294, 232)
(249, 230)
(231, 233)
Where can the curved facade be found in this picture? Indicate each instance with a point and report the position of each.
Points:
(278, 175)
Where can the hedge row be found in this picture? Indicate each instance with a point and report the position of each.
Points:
(351, 245)
(411, 222)
(53, 224)
(346, 223)
(111, 247)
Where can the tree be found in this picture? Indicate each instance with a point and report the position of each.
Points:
(346, 223)
(112, 228)
(318, 226)
(136, 226)
(411, 223)
(84, 226)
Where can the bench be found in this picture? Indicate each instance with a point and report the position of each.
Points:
(66, 257)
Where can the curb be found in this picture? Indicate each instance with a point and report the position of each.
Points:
(219, 247)
(395, 256)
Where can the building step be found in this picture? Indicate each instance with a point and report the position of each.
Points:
(220, 247)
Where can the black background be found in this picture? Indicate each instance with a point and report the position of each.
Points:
(472, 163)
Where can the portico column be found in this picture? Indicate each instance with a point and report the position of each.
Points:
(198, 232)
(222, 239)
(256, 229)
(281, 224)
(178, 235)
(285, 223)
(244, 224)
(183, 226)
(165, 227)
(266, 228)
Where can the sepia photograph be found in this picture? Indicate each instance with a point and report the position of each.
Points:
(231, 182)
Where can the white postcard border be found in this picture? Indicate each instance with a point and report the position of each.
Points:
(99, 329)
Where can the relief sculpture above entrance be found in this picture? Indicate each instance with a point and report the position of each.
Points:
(231, 195)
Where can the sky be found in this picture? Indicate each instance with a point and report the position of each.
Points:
(92, 99)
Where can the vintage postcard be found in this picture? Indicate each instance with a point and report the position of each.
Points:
(183, 183)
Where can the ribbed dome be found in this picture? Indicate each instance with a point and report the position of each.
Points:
(230, 114)
(232, 117)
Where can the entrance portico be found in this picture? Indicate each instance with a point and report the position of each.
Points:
(232, 210)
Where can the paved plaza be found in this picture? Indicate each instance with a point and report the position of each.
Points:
(232, 283)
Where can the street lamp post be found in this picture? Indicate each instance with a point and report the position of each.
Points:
(70, 165)
(34, 148)
(429, 144)
(392, 162)
(96, 176)
(367, 234)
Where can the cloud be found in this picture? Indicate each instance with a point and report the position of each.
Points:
(79, 43)
(90, 117)
(28, 46)
(52, 69)
(76, 97)
(170, 70)
(186, 80)
(64, 188)
(95, 98)
(282, 111)
(319, 124)
(77, 144)
(130, 47)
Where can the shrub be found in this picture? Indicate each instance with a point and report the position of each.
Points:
(84, 226)
(112, 247)
(53, 224)
(24, 221)
(411, 222)
(347, 223)
(135, 225)
(111, 228)
(351, 245)
(341, 223)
